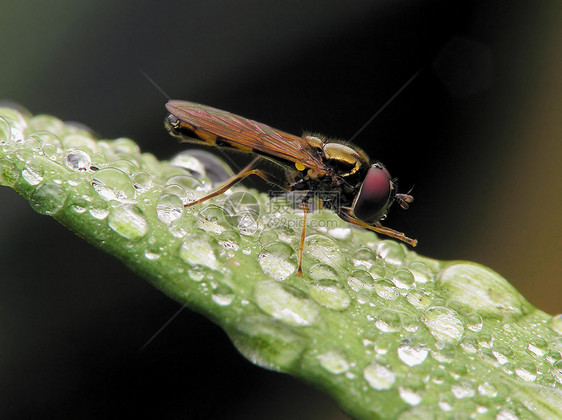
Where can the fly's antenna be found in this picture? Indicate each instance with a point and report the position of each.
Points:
(153, 83)
(381, 109)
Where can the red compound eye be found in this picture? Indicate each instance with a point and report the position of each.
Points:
(374, 198)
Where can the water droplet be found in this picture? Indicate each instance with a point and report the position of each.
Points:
(482, 290)
(187, 183)
(556, 323)
(506, 414)
(323, 272)
(526, 371)
(487, 389)
(285, 303)
(113, 184)
(33, 174)
(388, 321)
(418, 299)
(125, 145)
(77, 160)
(274, 260)
(403, 279)
(364, 257)
(325, 250)
(379, 377)
(128, 221)
(474, 322)
(242, 201)
(223, 295)
(340, 232)
(78, 141)
(334, 362)
(268, 236)
(230, 239)
(99, 210)
(391, 251)
(409, 396)
(463, 389)
(385, 289)
(469, 344)
(215, 219)
(142, 181)
(330, 294)
(48, 198)
(443, 351)
(443, 323)
(169, 207)
(248, 222)
(411, 323)
(412, 351)
(421, 272)
(537, 347)
(199, 249)
(46, 123)
(125, 165)
(556, 371)
(151, 255)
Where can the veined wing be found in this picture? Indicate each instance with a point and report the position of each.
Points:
(246, 133)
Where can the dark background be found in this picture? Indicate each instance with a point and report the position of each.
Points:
(478, 133)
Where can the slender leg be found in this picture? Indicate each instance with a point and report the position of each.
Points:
(377, 227)
(303, 235)
(247, 171)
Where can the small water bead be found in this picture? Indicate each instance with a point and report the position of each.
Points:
(364, 257)
(285, 304)
(169, 208)
(418, 299)
(474, 322)
(411, 323)
(125, 145)
(329, 294)
(526, 371)
(556, 323)
(242, 201)
(463, 389)
(443, 351)
(80, 204)
(113, 184)
(379, 377)
(222, 294)
(33, 173)
(48, 198)
(487, 389)
(46, 123)
(247, 222)
(5, 131)
(403, 279)
(388, 321)
(142, 181)
(187, 161)
(128, 221)
(77, 160)
(409, 396)
(180, 227)
(339, 232)
(421, 272)
(151, 255)
(275, 260)
(215, 219)
(99, 161)
(469, 344)
(334, 362)
(268, 236)
(391, 251)
(187, 182)
(385, 289)
(199, 249)
(360, 281)
(325, 250)
(230, 240)
(413, 351)
(77, 141)
(127, 166)
(323, 272)
(537, 347)
(443, 323)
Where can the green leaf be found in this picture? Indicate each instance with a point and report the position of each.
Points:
(388, 333)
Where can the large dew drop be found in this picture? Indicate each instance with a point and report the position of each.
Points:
(334, 362)
(285, 304)
(379, 377)
(128, 221)
(482, 290)
(443, 323)
(48, 198)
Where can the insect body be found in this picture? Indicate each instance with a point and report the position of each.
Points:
(340, 175)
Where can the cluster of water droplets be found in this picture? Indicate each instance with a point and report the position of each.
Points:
(410, 314)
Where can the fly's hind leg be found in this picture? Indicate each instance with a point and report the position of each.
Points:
(247, 171)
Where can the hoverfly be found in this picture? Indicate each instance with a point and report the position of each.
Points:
(314, 165)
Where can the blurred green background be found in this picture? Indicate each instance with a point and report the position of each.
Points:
(478, 133)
